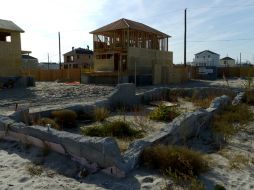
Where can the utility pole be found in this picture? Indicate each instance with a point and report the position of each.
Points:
(48, 61)
(185, 35)
(59, 43)
(240, 59)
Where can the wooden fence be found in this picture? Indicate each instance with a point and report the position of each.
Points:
(236, 72)
(165, 74)
(69, 75)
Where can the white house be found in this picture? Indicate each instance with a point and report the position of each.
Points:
(227, 62)
(206, 58)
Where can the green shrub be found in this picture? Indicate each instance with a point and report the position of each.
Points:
(164, 113)
(45, 121)
(100, 114)
(65, 118)
(173, 160)
(232, 119)
(116, 128)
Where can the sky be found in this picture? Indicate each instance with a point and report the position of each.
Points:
(223, 26)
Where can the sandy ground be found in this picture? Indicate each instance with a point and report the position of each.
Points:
(233, 166)
(49, 94)
(52, 94)
(58, 172)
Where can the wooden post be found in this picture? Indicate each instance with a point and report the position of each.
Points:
(59, 41)
(185, 35)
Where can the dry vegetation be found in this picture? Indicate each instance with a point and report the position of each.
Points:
(181, 164)
(47, 121)
(203, 102)
(65, 118)
(238, 161)
(179, 161)
(231, 119)
(34, 170)
(100, 114)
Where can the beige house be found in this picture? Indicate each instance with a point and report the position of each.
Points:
(129, 48)
(227, 62)
(10, 48)
(78, 58)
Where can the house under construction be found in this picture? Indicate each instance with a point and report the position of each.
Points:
(127, 48)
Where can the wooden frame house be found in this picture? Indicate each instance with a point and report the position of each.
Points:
(129, 47)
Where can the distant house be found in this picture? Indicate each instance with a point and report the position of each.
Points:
(10, 48)
(129, 47)
(227, 62)
(206, 58)
(78, 58)
(47, 66)
(28, 62)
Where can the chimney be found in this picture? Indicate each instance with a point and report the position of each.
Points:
(87, 47)
(72, 48)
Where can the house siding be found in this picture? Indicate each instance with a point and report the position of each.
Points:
(206, 58)
(10, 55)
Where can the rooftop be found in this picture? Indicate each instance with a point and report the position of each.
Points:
(28, 57)
(9, 26)
(80, 51)
(125, 24)
(227, 58)
(207, 51)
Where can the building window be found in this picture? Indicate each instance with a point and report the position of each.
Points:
(89, 56)
(75, 66)
(77, 56)
(5, 37)
(208, 56)
(70, 58)
(65, 66)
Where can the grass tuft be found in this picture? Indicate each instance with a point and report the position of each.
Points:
(203, 102)
(117, 128)
(100, 114)
(164, 113)
(178, 162)
(45, 121)
(65, 118)
(34, 170)
(238, 161)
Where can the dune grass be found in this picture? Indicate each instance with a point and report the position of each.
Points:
(65, 118)
(100, 114)
(45, 121)
(174, 161)
(117, 128)
(164, 113)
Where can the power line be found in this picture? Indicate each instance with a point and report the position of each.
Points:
(228, 40)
